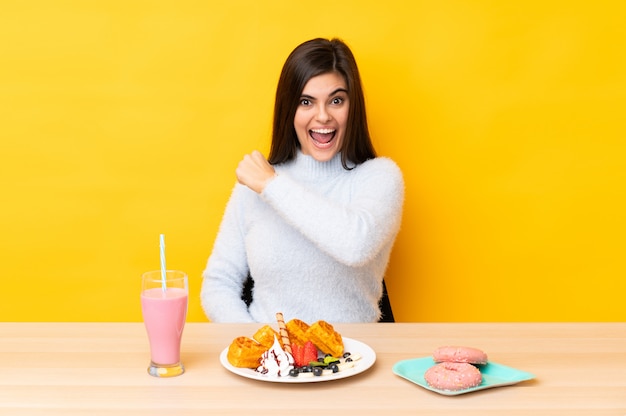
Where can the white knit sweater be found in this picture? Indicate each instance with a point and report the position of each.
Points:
(316, 241)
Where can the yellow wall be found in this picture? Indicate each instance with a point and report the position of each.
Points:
(120, 120)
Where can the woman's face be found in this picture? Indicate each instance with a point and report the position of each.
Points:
(322, 115)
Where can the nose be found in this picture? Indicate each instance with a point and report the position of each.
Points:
(323, 116)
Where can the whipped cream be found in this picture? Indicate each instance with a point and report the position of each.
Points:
(276, 361)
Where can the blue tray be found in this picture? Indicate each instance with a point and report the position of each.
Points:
(494, 375)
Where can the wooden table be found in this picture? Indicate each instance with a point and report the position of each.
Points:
(100, 369)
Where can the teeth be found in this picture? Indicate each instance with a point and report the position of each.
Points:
(322, 131)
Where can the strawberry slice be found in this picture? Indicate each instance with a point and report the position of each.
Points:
(309, 353)
(297, 351)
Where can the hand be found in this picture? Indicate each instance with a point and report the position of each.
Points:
(255, 172)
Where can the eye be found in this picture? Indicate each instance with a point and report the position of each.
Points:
(305, 102)
(337, 100)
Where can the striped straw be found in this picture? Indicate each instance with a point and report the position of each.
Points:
(163, 273)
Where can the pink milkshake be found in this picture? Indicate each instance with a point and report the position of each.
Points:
(164, 313)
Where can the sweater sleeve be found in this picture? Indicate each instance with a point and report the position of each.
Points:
(352, 233)
(227, 267)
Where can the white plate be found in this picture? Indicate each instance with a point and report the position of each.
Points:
(368, 358)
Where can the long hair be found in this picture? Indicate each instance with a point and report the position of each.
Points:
(310, 59)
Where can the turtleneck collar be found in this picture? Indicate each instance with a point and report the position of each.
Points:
(306, 167)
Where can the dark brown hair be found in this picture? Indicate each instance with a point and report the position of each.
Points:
(310, 59)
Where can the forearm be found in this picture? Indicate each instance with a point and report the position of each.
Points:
(353, 232)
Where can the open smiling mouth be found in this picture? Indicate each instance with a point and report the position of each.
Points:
(322, 137)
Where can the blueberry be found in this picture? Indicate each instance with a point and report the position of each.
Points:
(294, 372)
(317, 371)
(346, 355)
(334, 367)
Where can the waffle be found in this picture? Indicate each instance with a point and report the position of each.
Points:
(325, 338)
(265, 336)
(297, 331)
(245, 352)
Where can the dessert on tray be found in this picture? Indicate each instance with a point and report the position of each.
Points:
(297, 349)
(456, 368)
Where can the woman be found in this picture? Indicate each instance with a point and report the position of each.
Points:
(314, 224)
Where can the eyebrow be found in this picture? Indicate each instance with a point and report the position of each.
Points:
(338, 90)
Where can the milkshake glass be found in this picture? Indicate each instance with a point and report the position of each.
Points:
(164, 309)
